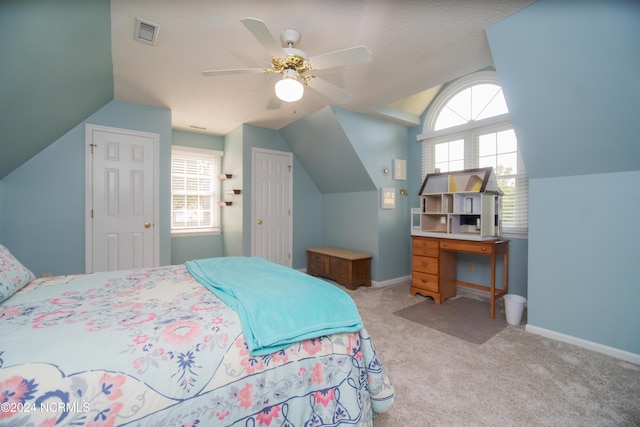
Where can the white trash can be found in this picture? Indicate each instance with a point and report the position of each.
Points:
(514, 308)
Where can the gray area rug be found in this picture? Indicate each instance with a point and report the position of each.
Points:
(464, 318)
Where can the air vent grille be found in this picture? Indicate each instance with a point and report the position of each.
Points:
(146, 32)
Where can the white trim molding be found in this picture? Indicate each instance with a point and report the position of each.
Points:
(589, 345)
(390, 282)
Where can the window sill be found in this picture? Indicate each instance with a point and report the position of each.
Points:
(195, 233)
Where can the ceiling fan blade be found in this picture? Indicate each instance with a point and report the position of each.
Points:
(260, 31)
(329, 90)
(338, 58)
(236, 71)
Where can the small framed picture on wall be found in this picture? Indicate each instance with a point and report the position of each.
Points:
(388, 198)
(399, 169)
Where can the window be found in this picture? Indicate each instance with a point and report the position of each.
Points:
(195, 190)
(468, 126)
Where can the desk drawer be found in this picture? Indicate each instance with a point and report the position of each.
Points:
(428, 282)
(425, 264)
(466, 246)
(425, 247)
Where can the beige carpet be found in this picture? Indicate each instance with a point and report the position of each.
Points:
(513, 379)
(461, 317)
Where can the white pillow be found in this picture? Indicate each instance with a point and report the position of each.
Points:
(13, 275)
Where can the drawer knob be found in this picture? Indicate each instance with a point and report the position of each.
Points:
(423, 280)
(483, 249)
(444, 245)
(424, 264)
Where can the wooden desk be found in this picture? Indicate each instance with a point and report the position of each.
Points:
(349, 268)
(434, 266)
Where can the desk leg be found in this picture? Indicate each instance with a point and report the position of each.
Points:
(492, 298)
(506, 271)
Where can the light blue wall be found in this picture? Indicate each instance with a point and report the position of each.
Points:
(583, 275)
(307, 214)
(377, 143)
(307, 225)
(573, 90)
(346, 153)
(56, 70)
(232, 216)
(185, 248)
(350, 221)
(43, 208)
(320, 142)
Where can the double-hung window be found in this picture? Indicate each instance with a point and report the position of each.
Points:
(468, 126)
(195, 190)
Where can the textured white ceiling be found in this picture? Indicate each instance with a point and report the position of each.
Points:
(416, 46)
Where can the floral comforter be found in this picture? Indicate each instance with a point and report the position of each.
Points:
(153, 347)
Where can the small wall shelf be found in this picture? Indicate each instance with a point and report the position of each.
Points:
(233, 192)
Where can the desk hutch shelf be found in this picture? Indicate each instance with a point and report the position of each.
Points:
(459, 205)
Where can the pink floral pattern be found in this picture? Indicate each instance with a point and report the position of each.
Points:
(13, 275)
(153, 347)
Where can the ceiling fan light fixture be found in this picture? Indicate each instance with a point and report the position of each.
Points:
(289, 89)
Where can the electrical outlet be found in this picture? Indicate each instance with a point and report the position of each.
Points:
(470, 266)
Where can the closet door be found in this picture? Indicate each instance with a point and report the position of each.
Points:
(122, 200)
(272, 205)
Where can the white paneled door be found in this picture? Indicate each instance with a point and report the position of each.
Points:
(272, 205)
(121, 199)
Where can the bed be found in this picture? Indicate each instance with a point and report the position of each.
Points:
(158, 347)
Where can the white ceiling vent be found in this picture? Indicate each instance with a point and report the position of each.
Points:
(146, 31)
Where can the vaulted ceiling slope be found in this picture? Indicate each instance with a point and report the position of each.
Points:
(320, 143)
(55, 71)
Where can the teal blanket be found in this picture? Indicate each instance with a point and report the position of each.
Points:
(277, 305)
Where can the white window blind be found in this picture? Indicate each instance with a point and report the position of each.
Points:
(456, 139)
(195, 190)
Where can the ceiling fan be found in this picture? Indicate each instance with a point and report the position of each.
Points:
(295, 66)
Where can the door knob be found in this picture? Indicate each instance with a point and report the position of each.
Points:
(147, 224)
(259, 222)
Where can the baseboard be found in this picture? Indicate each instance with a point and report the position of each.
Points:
(590, 345)
(382, 284)
(390, 282)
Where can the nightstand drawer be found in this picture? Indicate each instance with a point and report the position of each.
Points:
(428, 282)
(425, 264)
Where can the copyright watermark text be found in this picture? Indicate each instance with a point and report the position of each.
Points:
(51, 407)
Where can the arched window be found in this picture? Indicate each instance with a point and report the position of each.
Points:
(468, 126)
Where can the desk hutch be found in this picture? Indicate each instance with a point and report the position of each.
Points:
(459, 212)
